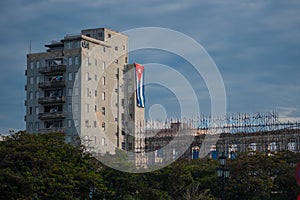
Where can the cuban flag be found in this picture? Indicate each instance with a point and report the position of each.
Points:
(140, 92)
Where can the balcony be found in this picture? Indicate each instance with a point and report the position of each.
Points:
(51, 70)
(52, 84)
(50, 100)
(53, 129)
(52, 115)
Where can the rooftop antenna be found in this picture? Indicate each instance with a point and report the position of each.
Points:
(29, 46)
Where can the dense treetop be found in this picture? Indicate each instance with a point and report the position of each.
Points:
(43, 166)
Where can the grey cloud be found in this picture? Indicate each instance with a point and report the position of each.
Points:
(255, 44)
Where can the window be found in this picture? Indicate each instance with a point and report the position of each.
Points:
(37, 79)
(88, 92)
(42, 63)
(103, 126)
(30, 126)
(95, 93)
(70, 61)
(102, 141)
(75, 122)
(116, 48)
(30, 111)
(31, 80)
(37, 110)
(130, 146)
(87, 123)
(32, 65)
(68, 45)
(37, 95)
(109, 35)
(104, 49)
(77, 44)
(76, 75)
(124, 48)
(96, 77)
(69, 123)
(31, 95)
(126, 60)
(69, 107)
(95, 108)
(69, 139)
(103, 111)
(70, 91)
(37, 64)
(95, 124)
(103, 96)
(103, 65)
(76, 60)
(103, 80)
(87, 107)
(70, 75)
(36, 126)
(96, 62)
(87, 76)
(116, 61)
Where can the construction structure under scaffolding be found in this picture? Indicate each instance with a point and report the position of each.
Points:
(231, 123)
(164, 142)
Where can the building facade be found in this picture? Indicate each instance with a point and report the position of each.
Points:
(78, 87)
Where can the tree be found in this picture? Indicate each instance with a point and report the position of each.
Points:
(43, 166)
(261, 176)
(285, 181)
(193, 192)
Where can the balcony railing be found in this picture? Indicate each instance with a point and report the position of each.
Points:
(52, 69)
(53, 129)
(52, 115)
(52, 84)
(49, 100)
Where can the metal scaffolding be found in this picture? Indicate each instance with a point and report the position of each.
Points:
(235, 131)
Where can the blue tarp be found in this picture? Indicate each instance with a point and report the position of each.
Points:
(195, 154)
(214, 155)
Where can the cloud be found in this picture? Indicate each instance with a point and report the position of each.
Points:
(255, 44)
(288, 114)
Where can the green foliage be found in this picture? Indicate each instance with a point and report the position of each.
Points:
(43, 166)
(256, 176)
(261, 176)
(119, 160)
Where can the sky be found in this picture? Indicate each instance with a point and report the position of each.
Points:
(254, 44)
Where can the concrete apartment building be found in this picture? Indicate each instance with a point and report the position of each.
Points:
(83, 86)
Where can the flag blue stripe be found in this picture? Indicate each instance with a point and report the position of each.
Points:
(140, 91)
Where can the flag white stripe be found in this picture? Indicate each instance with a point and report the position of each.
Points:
(140, 90)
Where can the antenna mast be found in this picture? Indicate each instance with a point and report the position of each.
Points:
(29, 46)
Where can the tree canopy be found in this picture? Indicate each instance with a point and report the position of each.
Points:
(43, 166)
